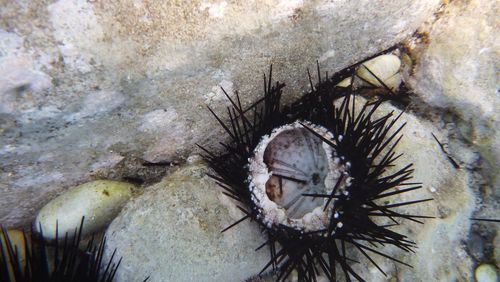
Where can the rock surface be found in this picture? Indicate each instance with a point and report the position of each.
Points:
(98, 201)
(455, 76)
(173, 233)
(84, 83)
(457, 72)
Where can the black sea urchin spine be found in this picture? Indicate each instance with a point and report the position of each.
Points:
(245, 133)
(367, 147)
(62, 260)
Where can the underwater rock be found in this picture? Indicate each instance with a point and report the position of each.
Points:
(98, 201)
(173, 233)
(457, 72)
(496, 251)
(456, 76)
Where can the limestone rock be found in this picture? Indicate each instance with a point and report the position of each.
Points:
(383, 68)
(456, 75)
(457, 71)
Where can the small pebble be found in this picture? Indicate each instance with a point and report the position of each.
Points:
(99, 201)
(486, 273)
(385, 67)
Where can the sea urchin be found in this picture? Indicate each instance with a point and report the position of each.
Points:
(312, 175)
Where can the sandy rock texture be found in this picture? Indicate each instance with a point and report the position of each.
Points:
(85, 83)
(87, 86)
(173, 233)
(457, 72)
(456, 78)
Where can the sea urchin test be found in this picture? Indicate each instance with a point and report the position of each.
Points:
(288, 168)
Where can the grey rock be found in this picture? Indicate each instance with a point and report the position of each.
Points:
(173, 233)
(476, 246)
(457, 71)
(456, 74)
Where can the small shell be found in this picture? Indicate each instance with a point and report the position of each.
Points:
(385, 67)
(99, 201)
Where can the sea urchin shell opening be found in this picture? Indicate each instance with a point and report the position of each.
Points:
(287, 168)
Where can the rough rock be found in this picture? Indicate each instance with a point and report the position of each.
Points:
(456, 75)
(84, 83)
(173, 233)
(457, 72)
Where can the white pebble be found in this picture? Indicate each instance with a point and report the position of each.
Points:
(99, 201)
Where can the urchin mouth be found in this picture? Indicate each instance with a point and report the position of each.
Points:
(289, 167)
